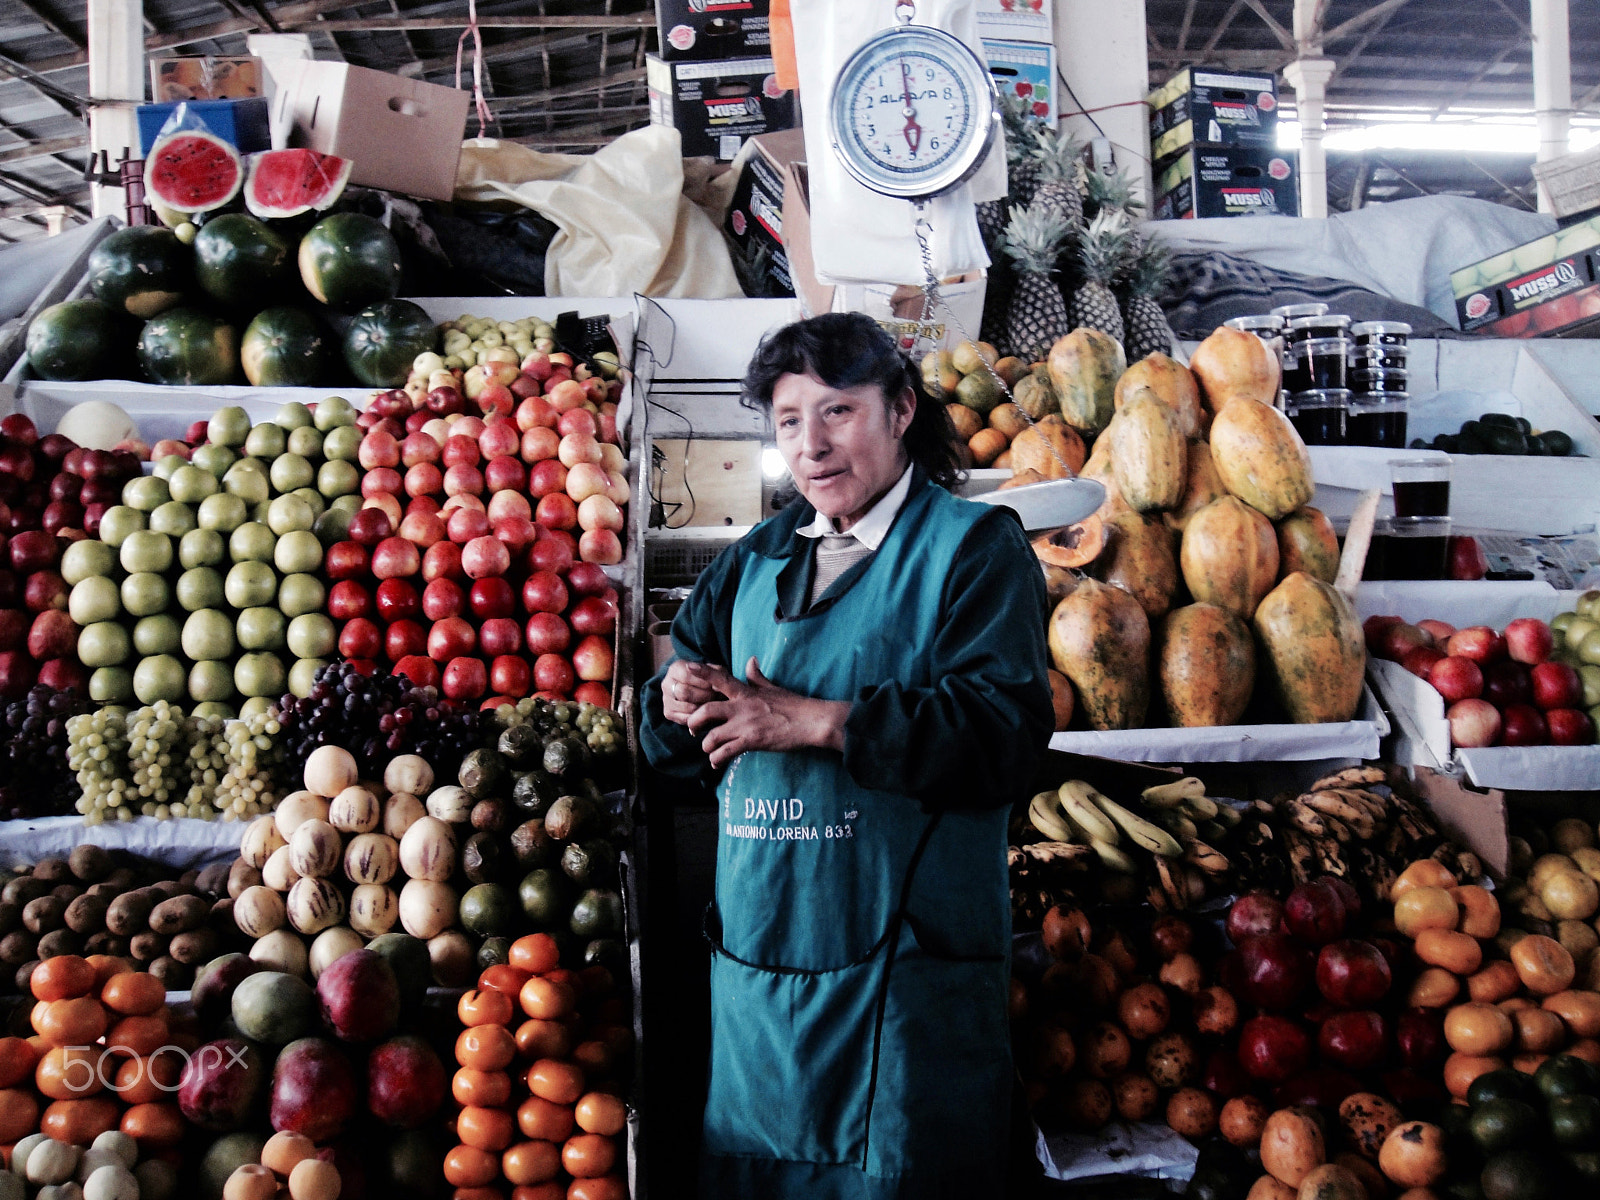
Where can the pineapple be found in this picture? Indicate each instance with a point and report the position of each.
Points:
(1102, 250)
(1038, 315)
(1059, 156)
(1146, 325)
(1113, 192)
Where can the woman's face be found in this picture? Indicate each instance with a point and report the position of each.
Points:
(843, 446)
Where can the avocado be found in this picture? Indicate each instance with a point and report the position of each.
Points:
(520, 744)
(1505, 440)
(535, 791)
(482, 774)
(1504, 1124)
(1585, 1165)
(1575, 1121)
(1504, 420)
(1504, 1084)
(608, 953)
(1565, 1075)
(1556, 442)
(532, 844)
(597, 914)
(1518, 1175)
(488, 910)
(544, 898)
(484, 857)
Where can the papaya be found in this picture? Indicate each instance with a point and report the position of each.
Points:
(1072, 545)
(1234, 365)
(1201, 485)
(1307, 542)
(1260, 459)
(1205, 665)
(1098, 468)
(1229, 556)
(1084, 368)
(1100, 640)
(1139, 560)
(1035, 395)
(1312, 649)
(1051, 448)
(1173, 384)
(1149, 456)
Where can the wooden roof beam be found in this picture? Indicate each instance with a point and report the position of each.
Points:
(51, 24)
(1187, 25)
(1221, 30)
(641, 20)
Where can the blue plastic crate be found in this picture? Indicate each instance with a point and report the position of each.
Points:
(243, 123)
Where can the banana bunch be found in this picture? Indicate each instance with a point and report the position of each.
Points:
(1199, 824)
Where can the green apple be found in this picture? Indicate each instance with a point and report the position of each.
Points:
(1588, 650)
(86, 558)
(252, 542)
(1589, 673)
(289, 513)
(223, 512)
(208, 634)
(303, 675)
(297, 552)
(301, 594)
(332, 526)
(159, 677)
(293, 415)
(164, 468)
(307, 443)
(267, 440)
(338, 479)
(1577, 629)
(111, 685)
(250, 584)
(212, 709)
(1589, 604)
(290, 471)
(103, 644)
(334, 412)
(248, 482)
(159, 634)
(341, 444)
(260, 674)
(258, 512)
(146, 493)
(348, 505)
(144, 593)
(174, 518)
(200, 587)
(1559, 622)
(312, 497)
(192, 484)
(119, 522)
(260, 628)
(216, 459)
(146, 550)
(229, 427)
(258, 706)
(201, 548)
(210, 681)
(312, 635)
(94, 599)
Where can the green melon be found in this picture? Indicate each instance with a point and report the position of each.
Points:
(185, 345)
(75, 340)
(285, 347)
(384, 339)
(141, 270)
(239, 262)
(349, 260)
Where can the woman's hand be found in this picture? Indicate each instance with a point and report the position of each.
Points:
(759, 715)
(687, 687)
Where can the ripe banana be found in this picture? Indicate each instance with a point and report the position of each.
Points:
(1045, 816)
(1115, 857)
(1145, 834)
(1170, 795)
(1078, 801)
(1179, 825)
(1201, 808)
(1227, 817)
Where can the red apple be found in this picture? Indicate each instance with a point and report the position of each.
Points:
(499, 439)
(459, 450)
(33, 550)
(423, 506)
(53, 635)
(94, 491)
(1456, 679)
(1253, 915)
(369, 526)
(464, 678)
(1467, 559)
(360, 638)
(594, 615)
(535, 413)
(1440, 631)
(599, 546)
(546, 633)
(467, 426)
(422, 528)
(496, 398)
(1525, 726)
(442, 561)
(451, 638)
(441, 599)
(543, 591)
(404, 638)
(1473, 723)
(442, 401)
(1276, 970)
(19, 428)
(500, 635)
(553, 673)
(397, 600)
(538, 365)
(1314, 912)
(585, 480)
(1419, 1037)
(1374, 629)
(1356, 1041)
(1506, 683)
(465, 524)
(516, 534)
(421, 670)
(546, 478)
(1569, 726)
(510, 675)
(396, 558)
(591, 692)
(417, 421)
(485, 556)
(588, 579)
(553, 551)
(14, 626)
(17, 674)
(378, 449)
(45, 590)
(592, 659)
(381, 481)
(1398, 639)
(1529, 640)
(65, 486)
(424, 479)
(1273, 1048)
(1420, 660)
(61, 514)
(1353, 974)
(567, 394)
(345, 560)
(347, 600)
(91, 518)
(64, 675)
(462, 480)
(419, 448)
(1556, 685)
(505, 474)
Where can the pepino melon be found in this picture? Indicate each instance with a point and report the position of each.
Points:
(187, 346)
(141, 270)
(285, 347)
(192, 171)
(241, 263)
(76, 340)
(286, 183)
(349, 260)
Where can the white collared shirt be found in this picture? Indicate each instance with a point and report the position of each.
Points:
(872, 528)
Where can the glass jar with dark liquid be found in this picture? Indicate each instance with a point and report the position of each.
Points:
(1376, 381)
(1380, 424)
(1319, 415)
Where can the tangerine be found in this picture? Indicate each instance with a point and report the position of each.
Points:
(79, 1122)
(486, 1047)
(544, 1120)
(468, 1166)
(531, 1162)
(133, 994)
(63, 977)
(536, 953)
(485, 1128)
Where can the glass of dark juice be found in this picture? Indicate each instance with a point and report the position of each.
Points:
(1421, 486)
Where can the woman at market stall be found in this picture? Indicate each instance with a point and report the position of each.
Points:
(867, 672)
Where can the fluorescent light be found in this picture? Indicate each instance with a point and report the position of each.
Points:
(1504, 134)
(772, 464)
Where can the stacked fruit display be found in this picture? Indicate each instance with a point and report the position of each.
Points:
(1526, 686)
(108, 1169)
(1551, 890)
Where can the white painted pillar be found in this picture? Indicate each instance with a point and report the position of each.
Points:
(1552, 81)
(1309, 79)
(116, 72)
(1101, 49)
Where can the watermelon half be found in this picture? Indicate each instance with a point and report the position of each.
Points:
(192, 172)
(286, 183)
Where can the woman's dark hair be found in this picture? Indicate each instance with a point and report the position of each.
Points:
(847, 350)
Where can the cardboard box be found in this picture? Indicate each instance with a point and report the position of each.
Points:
(1572, 182)
(1210, 107)
(205, 78)
(1228, 181)
(707, 29)
(715, 106)
(402, 135)
(1550, 286)
(244, 124)
(755, 217)
(1026, 69)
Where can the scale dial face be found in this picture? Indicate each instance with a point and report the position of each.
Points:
(913, 112)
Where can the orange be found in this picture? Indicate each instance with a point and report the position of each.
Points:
(1527, 1064)
(1543, 964)
(536, 953)
(589, 1155)
(1579, 1012)
(554, 1190)
(485, 1128)
(1497, 981)
(531, 1162)
(486, 1047)
(154, 1126)
(605, 1187)
(1538, 1031)
(147, 1080)
(1434, 987)
(488, 1089)
(547, 999)
(544, 1039)
(1478, 1029)
(1425, 908)
(76, 1022)
(1480, 911)
(72, 1072)
(477, 1193)
(986, 446)
(63, 977)
(142, 1035)
(1425, 872)
(19, 1114)
(965, 421)
(17, 1060)
(133, 994)
(79, 1122)
(556, 1081)
(594, 1057)
(503, 978)
(107, 965)
(599, 1112)
(1455, 952)
(595, 980)
(1587, 1049)
(1461, 1069)
(468, 1166)
(544, 1120)
(484, 1006)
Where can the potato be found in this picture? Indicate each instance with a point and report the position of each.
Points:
(1136, 1096)
(66, 892)
(1105, 1050)
(180, 914)
(174, 975)
(148, 946)
(129, 913)
(87, 914)
(52, 870)
(241, 875)
(220, 916)
(89, 862)
(1144, 1010)
(213, 881)
(18, 947)
(1086, 1103)
(1242, 1119)
(24, 888)
(60, 941)
(43, 914)
(1171, 1060)
(195, 947)
(1292, 1145)
(106, 943)
(165, 889)
(1192, 1112)
(10, 916)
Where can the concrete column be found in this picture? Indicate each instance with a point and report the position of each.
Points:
(116, 72)
(1552, 81)
(1102, 52)
(1309, 79)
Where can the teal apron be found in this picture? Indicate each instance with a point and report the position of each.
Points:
(859, 965)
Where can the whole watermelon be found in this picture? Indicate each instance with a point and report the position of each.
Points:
(76, 340)
(384, 339)
(349, 260)
(241, 263)
(141, 270)
(285, 347)
(185, 345)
